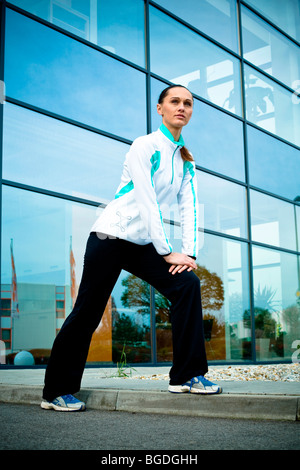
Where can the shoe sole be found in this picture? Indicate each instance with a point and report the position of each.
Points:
(51, 406)
(179, 389)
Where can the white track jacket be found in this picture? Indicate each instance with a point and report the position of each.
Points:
(154, 177)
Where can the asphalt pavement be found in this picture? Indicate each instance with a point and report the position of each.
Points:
(142, 437)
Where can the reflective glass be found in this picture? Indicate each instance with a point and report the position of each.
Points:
(224, 265)
(190, 60)
(297, 208)
(277, 308)
(116, 25)
(271, 51)
(272, 221)
(224, 205)
(43, 232)
(273, 165)
(271, 106)
(69, 78)
(285, 14)
(223, 272)
(217, 18)
(214, 138)
(131, 338)
(48, 153)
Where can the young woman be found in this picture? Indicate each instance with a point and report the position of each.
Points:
(130, 235)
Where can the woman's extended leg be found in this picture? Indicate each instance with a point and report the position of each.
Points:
(102, 266)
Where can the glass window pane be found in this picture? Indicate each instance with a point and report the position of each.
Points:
(43, 230)
(277, 309)
(5, 310)
(68, 78)
(224, 205)
(115, 25)
(270, 50)
(206, 69)
(223, 272)
(272, 221)
(48, 153)
(285, 14)
(130, 303)
(6, 335)
(226, 261)
(273, 165)
(214, 138)
(298, 226)
(271, 106)
(217, 19)
(5, 304)
(121, 28)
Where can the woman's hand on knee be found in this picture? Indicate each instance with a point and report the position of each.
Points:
(180, 262)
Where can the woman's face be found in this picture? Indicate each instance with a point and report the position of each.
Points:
(177, 108)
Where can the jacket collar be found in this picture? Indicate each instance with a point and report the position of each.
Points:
(167, 133)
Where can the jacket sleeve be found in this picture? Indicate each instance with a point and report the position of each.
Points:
(142, 163)
(188, 209)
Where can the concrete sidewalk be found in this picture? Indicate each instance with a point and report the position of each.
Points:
(146, 391)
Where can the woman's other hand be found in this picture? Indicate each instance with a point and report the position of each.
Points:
(180, 262)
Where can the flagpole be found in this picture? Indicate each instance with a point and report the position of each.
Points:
(15, 304)
(14, 294)
(72, 275)
(11, 303)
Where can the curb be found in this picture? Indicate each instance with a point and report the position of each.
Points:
(269, 407)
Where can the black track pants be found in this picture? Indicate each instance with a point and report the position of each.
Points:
(104, 259)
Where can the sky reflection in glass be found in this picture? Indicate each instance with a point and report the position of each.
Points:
(298, 228)
(68, 78)
(41, 227)
(271, 106)
(224, 205)
(272, 221)
(115, 25)
(273, 165)
(217, 19)
(283, 13)
(269, 50)
(45, 152)
(193, 61)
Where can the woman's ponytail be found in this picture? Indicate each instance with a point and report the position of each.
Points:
(185, 154)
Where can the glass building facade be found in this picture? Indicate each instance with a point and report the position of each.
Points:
(79, 82)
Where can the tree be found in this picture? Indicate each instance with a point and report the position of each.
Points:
(137, 294)
(212, 290)
(126, 331)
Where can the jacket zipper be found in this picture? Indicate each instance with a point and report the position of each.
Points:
(173, 164)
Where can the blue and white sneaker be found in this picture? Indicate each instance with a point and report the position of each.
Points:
(64, 403)
(196, 385)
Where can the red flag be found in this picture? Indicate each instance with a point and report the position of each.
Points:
(14, 292)
(73, 277)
